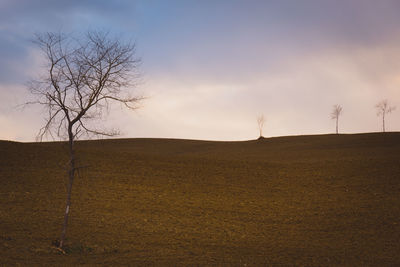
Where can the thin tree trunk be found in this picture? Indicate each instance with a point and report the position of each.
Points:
(71, 173)
(383, 122)
(337, 125)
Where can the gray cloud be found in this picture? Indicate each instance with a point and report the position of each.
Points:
(212, 66)
(12, 52)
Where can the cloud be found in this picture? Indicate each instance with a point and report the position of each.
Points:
(212, 66)
(296, 98)
(19, 122)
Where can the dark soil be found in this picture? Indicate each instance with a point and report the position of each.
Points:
(306, 200)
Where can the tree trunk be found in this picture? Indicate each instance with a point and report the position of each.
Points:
(337, 125)
(383, 122)
(71, 174)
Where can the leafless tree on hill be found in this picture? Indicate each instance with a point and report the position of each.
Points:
(83, 76)
(336, 112)
(260, 123)
(383, 108)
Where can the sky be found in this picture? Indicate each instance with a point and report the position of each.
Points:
(210, 68)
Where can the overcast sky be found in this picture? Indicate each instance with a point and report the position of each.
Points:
(209, 68)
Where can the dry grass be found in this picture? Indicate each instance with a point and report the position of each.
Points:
(306, 200)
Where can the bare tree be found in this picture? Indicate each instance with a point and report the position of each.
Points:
(336, 112)
(260, 123)
(83, 77)
(383, 109)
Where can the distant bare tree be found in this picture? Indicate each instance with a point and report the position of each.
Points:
(83, 77)
(336, 112)
(260, 123)
(383, 109)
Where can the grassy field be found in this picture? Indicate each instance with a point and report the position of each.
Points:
(304, 200)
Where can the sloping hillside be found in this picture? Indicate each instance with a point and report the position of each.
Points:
(302, 200)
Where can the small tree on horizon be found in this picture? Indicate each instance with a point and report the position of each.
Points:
(383, 108)
(83, 76)
(336, 112)
(260, 124)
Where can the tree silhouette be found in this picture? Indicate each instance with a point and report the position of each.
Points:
(336, 112)
(83, 76)
(260, 123)
(383, 108)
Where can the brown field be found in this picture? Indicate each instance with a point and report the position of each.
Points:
(299, 201)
